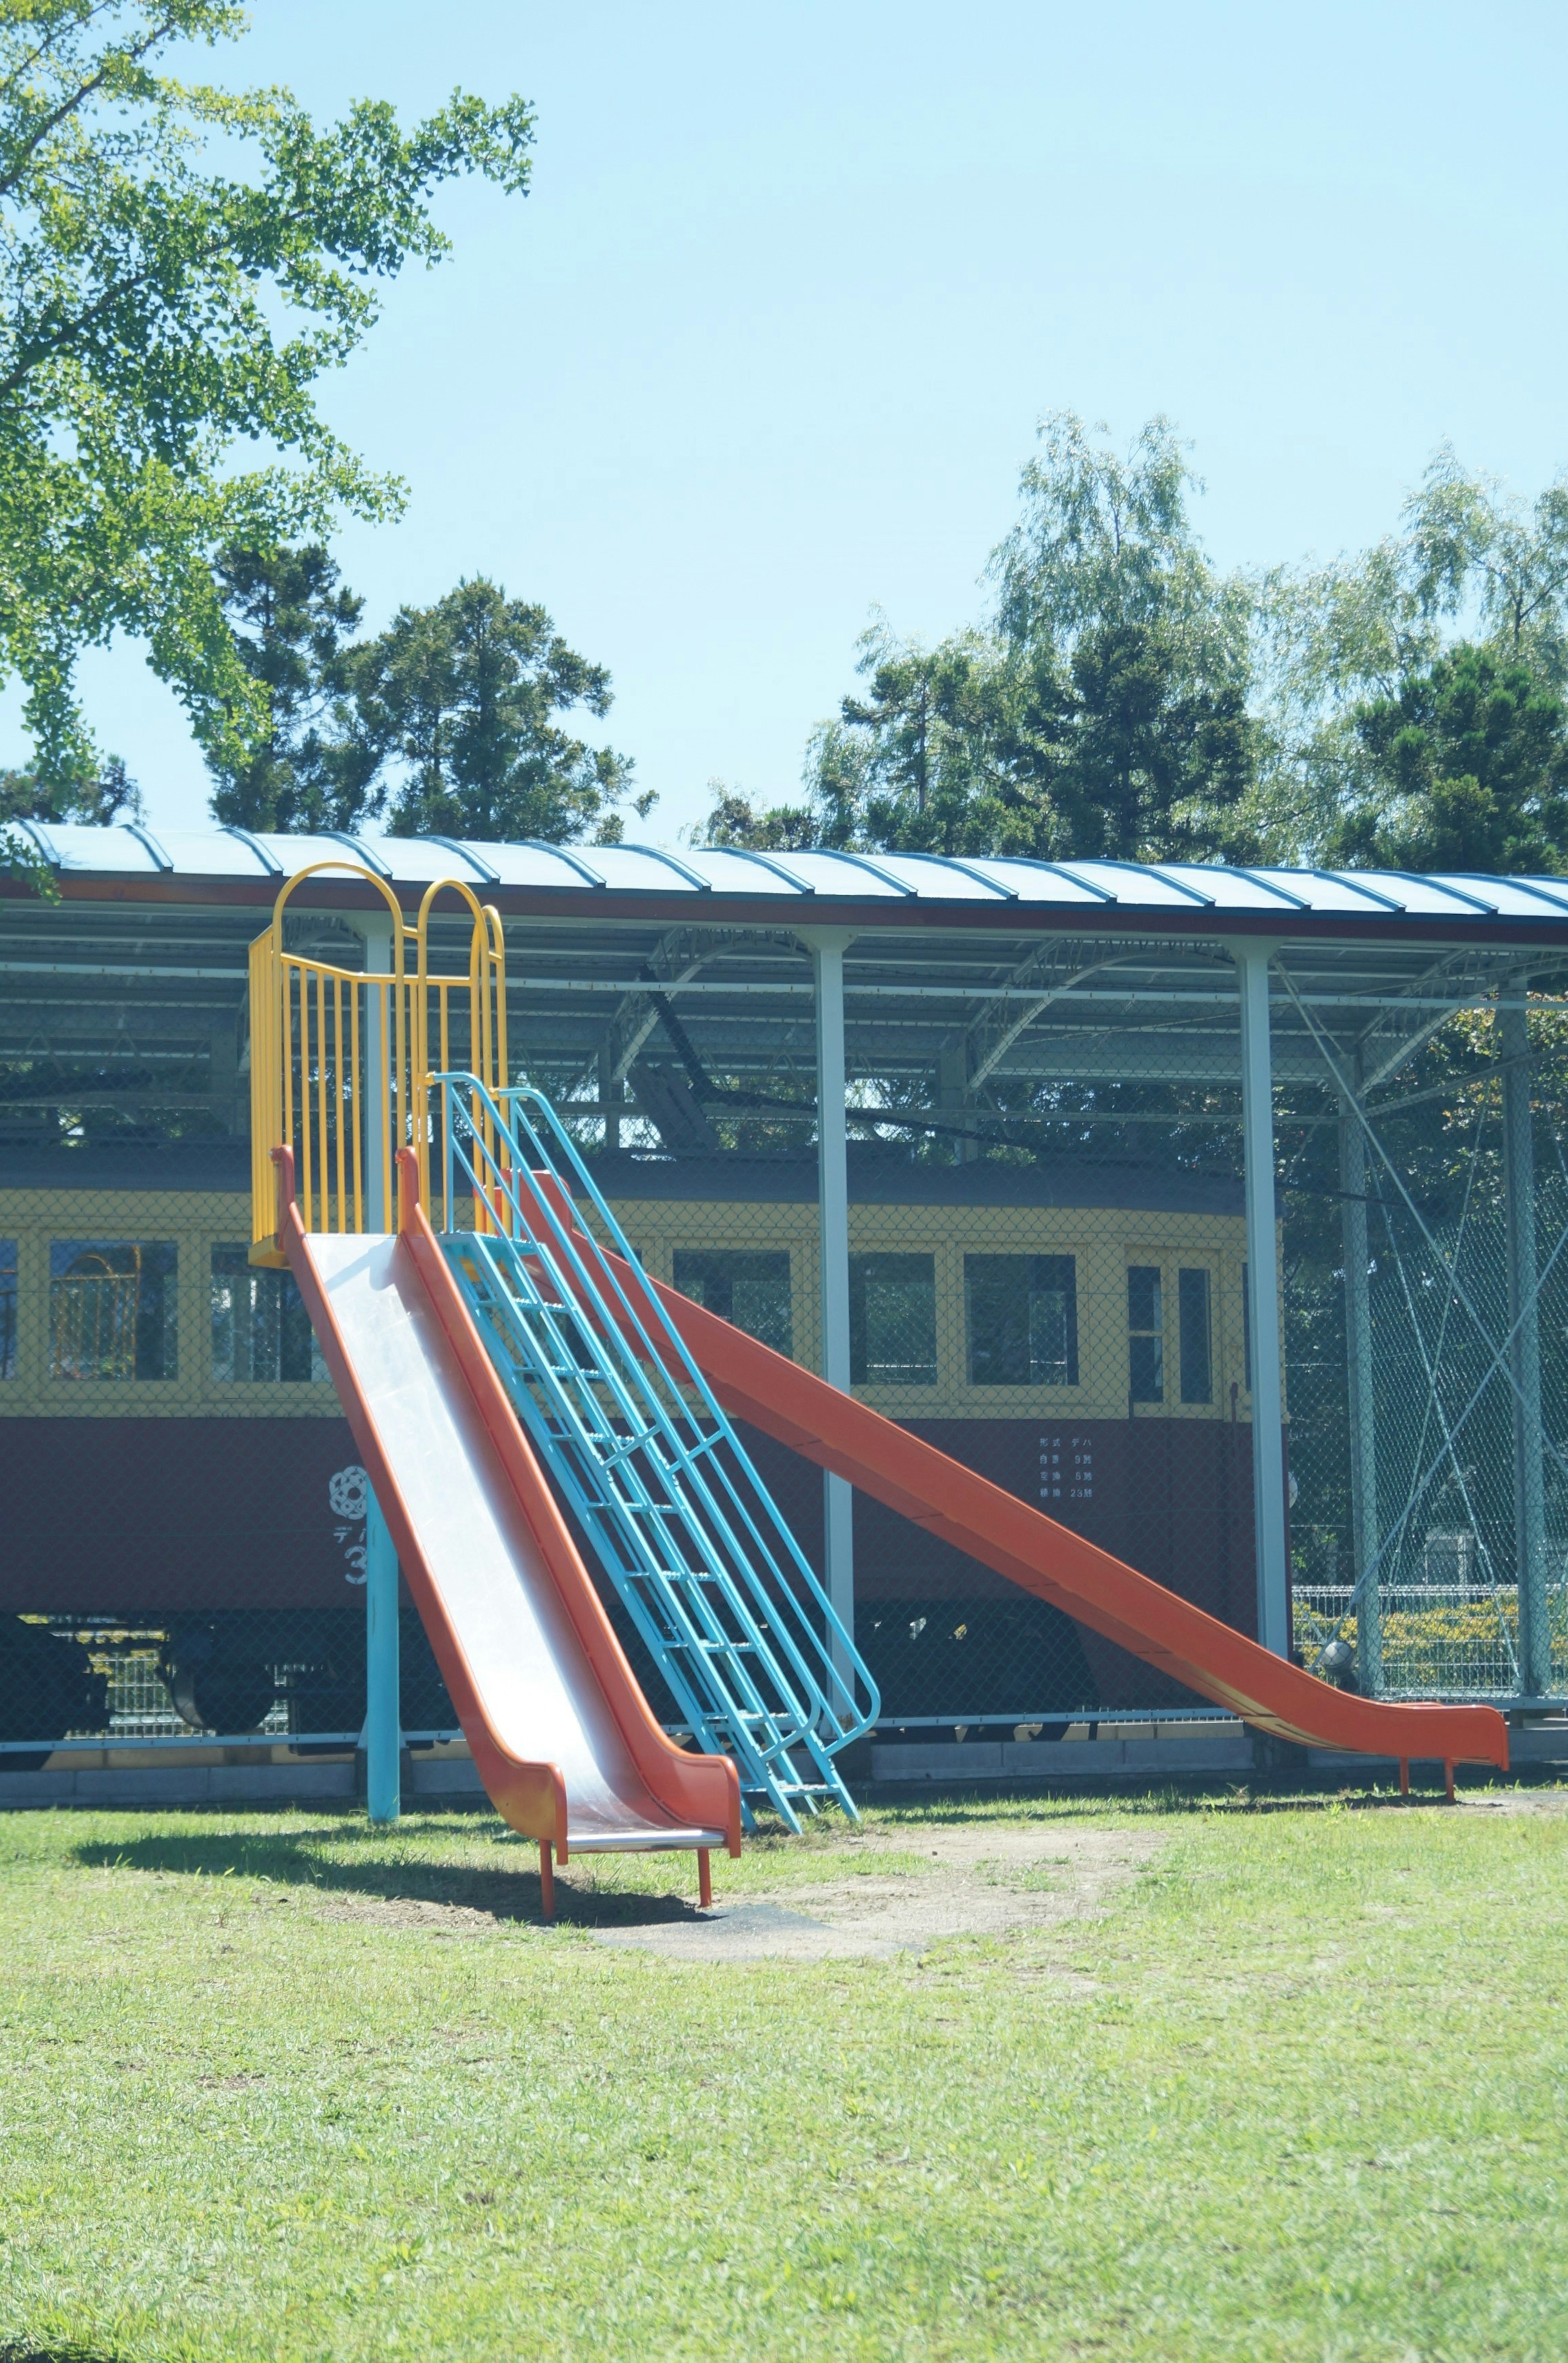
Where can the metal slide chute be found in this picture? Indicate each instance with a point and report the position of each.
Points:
(559, 1729)
(1034, 1551)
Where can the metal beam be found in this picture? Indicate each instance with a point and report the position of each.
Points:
(827, 947)
(1262, 1297)
(1358, 1391)
(1524, 1352)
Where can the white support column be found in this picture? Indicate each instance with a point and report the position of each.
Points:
(376, 930)
(1359, 1392)
(383, 1731)
(383, 1727)
(1263, 1298)
(1523, 1321)
(827, 947)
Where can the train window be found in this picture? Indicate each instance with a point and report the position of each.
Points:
(1021, 1318)
(8, 1308)
(260, 1329)
(893, 1320)
(749, 1287)
(1193, 1329)
(1145, 1334)
(112, 1309)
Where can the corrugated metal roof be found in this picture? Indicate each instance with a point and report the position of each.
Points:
(817, 878)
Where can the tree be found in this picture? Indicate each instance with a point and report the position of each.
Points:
(1470, 765)
(465, 695)
(1335, 639)
(313, 767)
(158, 312)
(99, 800)
(1128, 658)
(1104, 713)
(735, 820)
(910, 763)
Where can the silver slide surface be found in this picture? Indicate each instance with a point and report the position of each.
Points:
(534, 1685)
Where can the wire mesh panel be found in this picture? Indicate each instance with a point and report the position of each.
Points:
(1425, 1292)
(1046, 1272)
(184, 1553)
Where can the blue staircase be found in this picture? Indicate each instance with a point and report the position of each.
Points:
(645, 1458)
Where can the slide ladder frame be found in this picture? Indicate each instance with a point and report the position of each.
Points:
(715, 1583)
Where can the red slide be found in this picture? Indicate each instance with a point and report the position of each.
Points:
(563, 1739)
(776, 1395)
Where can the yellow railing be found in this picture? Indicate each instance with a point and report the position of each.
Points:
(341, 1060)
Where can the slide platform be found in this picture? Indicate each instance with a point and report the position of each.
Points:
(1041, 1556)
(564, 1741)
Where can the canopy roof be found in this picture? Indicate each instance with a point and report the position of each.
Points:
(686, 980)
(1214, 892)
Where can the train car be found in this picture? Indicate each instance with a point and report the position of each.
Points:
(183, 1492)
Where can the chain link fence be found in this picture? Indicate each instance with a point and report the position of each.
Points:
(1426, 1305)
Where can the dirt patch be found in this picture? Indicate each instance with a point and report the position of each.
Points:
(412, 1912)
(974, 1880)
(1514, 1800)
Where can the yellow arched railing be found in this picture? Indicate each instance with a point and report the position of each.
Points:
(341, 1060)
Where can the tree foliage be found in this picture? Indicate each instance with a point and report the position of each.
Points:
(465, 696)
(159, 314)
(1103, 713)
(448, 722)
(312, 766)
(1127, 701)
(1470, 762)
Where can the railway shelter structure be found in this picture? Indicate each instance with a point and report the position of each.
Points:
(1218, 1212)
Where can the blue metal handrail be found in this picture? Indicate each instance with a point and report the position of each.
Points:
(715, 1584)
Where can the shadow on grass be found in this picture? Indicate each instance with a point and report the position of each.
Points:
(510, 1892)
(1261, 1793)
(26, 2353)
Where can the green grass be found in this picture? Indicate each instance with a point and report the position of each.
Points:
(1297, 2094)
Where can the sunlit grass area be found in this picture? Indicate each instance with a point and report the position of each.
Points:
(275, 2085)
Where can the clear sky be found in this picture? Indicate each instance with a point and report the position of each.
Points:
(767, 344)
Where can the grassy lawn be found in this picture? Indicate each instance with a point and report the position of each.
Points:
(271, 2085)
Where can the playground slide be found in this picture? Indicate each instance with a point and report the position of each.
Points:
(776, 1395)
(564, 1739)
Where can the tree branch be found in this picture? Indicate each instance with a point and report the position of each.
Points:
(78, 98)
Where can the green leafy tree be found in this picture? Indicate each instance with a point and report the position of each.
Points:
(1470, 765)
(106, 796)
(909, 762)
(313, 767)
(1335, 640)
(735, 820)
(1127, 660)
(179, 265)
(99, 798)
(465, 695)
(1105, 712)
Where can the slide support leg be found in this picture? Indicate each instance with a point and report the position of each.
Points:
(384, 1732)
(1263, 1301)
(705, 1880)
(546, 1881)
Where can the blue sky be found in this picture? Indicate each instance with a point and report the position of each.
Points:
(767, 344)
